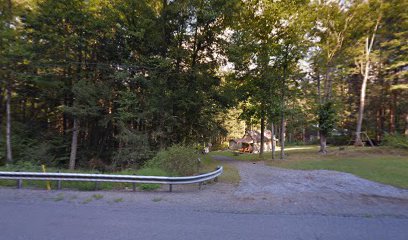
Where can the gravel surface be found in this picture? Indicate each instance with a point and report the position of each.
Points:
(317, 191)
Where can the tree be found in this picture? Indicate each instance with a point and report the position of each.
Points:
(265, 58)
(365, 64)
(332, 31)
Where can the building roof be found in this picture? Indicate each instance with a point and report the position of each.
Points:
(253, 136)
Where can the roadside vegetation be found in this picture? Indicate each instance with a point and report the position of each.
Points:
(175, 161)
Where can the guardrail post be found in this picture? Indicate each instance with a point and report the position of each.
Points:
(134, 187)
(96, 186)
(170, 187)
(59, 183)
(20, 183)
(199, 185)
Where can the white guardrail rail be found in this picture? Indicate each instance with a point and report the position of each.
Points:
(20, 176)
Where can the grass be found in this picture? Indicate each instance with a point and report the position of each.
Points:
(230, 174)
(150, 172)
(82, 186)
(381, 164)
(93, 197)
(157, 199)
(267, 156)
(59, 197)
(97, 196)
(87, 200)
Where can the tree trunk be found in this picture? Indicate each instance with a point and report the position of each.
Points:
(1, 111)
(283, 127)
(74, 144)
(358, 141)
(261, 150)
(9, 158)
(392, 113)
(282, 136)
(273, 140)
(406, 125)
(378, 125)
(322, 143)
(368, 47)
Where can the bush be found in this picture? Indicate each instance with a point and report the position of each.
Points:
(397, 141)
(176, 160)
(339, 140)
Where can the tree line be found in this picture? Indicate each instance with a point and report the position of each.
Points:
(113, 82)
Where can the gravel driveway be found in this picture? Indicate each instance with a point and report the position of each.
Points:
(316, 191)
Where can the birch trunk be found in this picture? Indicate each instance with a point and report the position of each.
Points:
(74, 144)
(368, 48)
(358, 141)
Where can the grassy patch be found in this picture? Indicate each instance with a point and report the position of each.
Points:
(266, 156)
(380, 164)
(157, 199)
(118, 200)
(230, 174)
(97, 196)
(150, 172)
(59, 197)
(87, 200)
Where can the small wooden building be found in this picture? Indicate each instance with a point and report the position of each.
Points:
(252, 139)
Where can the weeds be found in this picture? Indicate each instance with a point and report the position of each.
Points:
(59, 197)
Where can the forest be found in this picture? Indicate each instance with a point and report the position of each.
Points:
(113, 82)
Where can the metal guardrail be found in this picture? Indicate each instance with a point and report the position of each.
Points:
(20, 176)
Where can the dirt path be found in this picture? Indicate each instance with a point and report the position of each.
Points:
(317, 191)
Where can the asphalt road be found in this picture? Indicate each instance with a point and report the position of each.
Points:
(269, 203)
(44, 220)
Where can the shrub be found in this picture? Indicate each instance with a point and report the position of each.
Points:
(397, 141)
(339, 140)
(176, 160)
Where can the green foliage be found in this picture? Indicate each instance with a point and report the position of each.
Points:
(134, 149)
(177, 160)
(327, 118)
(398, 141)
(143, 75)
(339, 140)
(149, 171)
(97, 196)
